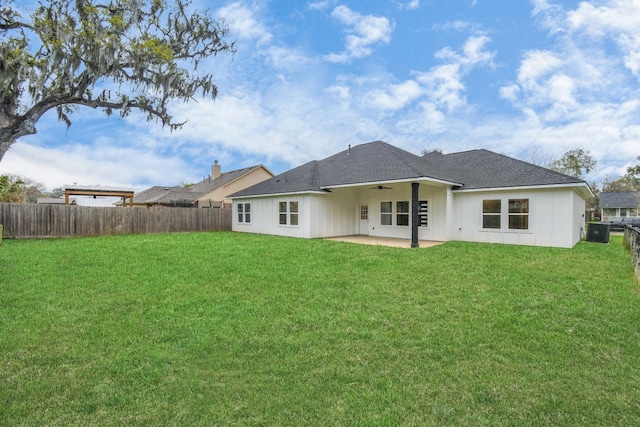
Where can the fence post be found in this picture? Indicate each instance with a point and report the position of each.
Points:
(632, 242)
(0, 233)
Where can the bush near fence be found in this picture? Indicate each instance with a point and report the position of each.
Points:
(631, 241)
(39, 221)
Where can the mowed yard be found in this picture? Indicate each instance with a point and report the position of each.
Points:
(234, 329)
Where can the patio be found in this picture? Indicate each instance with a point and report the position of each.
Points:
(383, 241)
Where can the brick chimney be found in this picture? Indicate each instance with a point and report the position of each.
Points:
(215, 170)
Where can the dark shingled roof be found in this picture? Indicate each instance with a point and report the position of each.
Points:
(380, 162)
(165, 195)
(626, 199)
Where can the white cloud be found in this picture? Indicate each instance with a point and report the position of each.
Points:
(510, 92)
(363, 31)
(618, 20)
(551, 16)
(398, 96)
(618, 15)
(631, 44)
(537, 64)
(412, 5)
(286, 58)
(98, 163)
(473, 52)
(441, 87)
(243, 23)
(444, 87)
(320, 5)
(577, 72)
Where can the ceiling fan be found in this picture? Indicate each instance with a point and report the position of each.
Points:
(380, 187)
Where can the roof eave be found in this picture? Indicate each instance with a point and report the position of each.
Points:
(284, 194)
(394, 181)
(581, 187)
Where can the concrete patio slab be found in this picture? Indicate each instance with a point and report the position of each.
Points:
(383, 241)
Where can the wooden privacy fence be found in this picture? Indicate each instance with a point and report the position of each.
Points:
(37, 221)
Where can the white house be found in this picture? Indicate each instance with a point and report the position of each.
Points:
(377, 189)
(619, 205)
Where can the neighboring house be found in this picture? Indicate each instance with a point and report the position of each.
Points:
(380, 190)
(619, 205)
(212, 191)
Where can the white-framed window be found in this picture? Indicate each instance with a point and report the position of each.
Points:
(402, 213)
(518, 214)
(491, 212)
(244, 213)
(399, 210)
(423, 213)
(288, 213)
(386, 213)
(293, 213)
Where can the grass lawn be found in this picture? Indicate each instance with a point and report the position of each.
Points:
(234, 329)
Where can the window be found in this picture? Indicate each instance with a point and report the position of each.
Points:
(491, 210)
(293, 213)
(364, 212)
(402, 213)
(386, 215)
(283, 213)
(623, 212)
(288, 213)
(518, 214)
(423, 213)
(244, 212)
(398, 209)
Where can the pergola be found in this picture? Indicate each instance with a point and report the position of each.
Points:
(78, 190)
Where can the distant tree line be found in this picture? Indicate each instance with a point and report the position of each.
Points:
(15, 189)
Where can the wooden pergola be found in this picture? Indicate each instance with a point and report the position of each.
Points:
(98, 191)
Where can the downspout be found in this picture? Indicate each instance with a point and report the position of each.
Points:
(414, 215)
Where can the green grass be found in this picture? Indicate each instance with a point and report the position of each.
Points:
(233, 329)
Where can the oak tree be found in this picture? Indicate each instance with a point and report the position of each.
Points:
(113, 55)
(574, 162)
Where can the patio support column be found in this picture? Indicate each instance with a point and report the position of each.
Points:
(414, 215)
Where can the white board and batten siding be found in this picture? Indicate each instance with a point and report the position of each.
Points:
(265, 216)
(319, 215)
(337, 213)
(549, 221)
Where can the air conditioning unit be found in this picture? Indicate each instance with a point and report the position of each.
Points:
(598, 232)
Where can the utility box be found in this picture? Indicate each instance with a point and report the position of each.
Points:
(598, 232)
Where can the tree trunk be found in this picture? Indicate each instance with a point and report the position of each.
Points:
(12, 128)
(5, 143)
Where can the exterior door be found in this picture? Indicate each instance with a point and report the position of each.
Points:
(363, 216)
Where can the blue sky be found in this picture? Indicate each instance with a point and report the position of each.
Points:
(529, 79)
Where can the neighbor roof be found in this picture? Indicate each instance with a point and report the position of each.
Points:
(381, 162)
(626, 199)
(166, 195)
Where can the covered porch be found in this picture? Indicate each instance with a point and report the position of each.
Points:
(390, 213)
